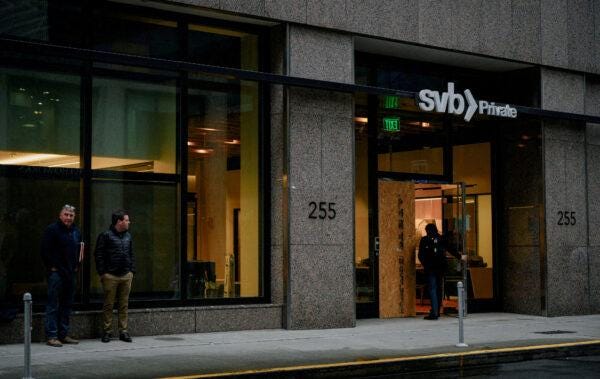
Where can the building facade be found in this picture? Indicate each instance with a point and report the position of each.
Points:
(281, 158)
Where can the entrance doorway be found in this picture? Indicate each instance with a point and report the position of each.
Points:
(404, 209)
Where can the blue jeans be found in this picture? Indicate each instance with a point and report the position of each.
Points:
(61, 292)
(434, 284)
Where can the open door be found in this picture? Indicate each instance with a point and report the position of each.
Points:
(397, 244)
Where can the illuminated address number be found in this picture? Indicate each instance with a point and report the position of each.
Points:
(566, 218)
(322, 210)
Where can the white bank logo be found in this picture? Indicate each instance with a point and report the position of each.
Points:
(455, 103)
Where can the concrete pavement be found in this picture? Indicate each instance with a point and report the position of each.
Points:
(401, 343)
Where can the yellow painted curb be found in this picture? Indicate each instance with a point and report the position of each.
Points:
(385, 360)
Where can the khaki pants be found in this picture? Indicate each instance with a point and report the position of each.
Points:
(119, 286)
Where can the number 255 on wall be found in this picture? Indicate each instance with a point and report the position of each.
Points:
(566, 218)
(322, 211)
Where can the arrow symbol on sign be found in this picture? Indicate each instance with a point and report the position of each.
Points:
(472, 105)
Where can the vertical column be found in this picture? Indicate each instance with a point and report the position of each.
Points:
(592, 107)
(567, 275)
(320, 184)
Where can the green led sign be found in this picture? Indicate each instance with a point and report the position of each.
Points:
(391, 124)
(391, 102)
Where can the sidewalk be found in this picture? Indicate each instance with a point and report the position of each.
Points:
(391, 340)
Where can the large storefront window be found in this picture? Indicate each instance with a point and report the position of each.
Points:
(223, 207)
(39, 119)
(107, 131)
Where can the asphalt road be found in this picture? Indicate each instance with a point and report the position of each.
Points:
(575, 367)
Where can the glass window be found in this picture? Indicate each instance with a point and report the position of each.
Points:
(39, 119)
(223, 190)
(223, 47)
(52, 21)
(135, 35)
(134, 126)
(27, 207)
(408, 141)
(154, 229)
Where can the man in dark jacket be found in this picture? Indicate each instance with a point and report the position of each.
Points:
(62, 250)
(432, 254)
(115, 264)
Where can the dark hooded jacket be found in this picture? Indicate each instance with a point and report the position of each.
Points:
(114, 253)
(60, 248)
(432, 253)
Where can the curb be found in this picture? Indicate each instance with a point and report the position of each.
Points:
(414, 364)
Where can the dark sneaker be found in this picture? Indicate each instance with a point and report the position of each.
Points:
(125, 337)
(69, 340)
(106, 337)
(54, 342)
(430, 317)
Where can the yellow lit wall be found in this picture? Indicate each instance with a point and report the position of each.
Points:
(361, 202)
(484, 232)
(472, 166)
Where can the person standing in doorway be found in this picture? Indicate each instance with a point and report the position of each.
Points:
(115, 263)
(432, 254)
(62, 251)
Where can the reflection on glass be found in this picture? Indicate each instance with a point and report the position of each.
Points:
(134, 126)
(154, 230)
(39, 119)
(406, 141)
(222, 47)
(223, 201)
(27, 207)
(57, 22)
(135, 35)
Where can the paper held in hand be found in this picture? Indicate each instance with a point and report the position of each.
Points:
(81, 250)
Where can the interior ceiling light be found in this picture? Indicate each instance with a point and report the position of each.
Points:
(204, 151)
(521, 145)
(232, 142)
(209, 129)
(190, 143)
(363, 120)
(525, 137)
(425, 124)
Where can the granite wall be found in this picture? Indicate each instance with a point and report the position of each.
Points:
(319, 142)
(555, 33)
(157, 321)
(570, 176)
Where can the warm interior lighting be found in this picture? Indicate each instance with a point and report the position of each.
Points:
(190, 143)
(203, 151)
(65, 164)
(22, 158)
(425, 124)
(232, 142)
(209, 129)
(525, 137)
(521, 145)
(363, 120)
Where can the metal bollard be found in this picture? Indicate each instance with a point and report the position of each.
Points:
(27, 335)
(461, 315)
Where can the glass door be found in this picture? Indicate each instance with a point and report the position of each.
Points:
(456, 227)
